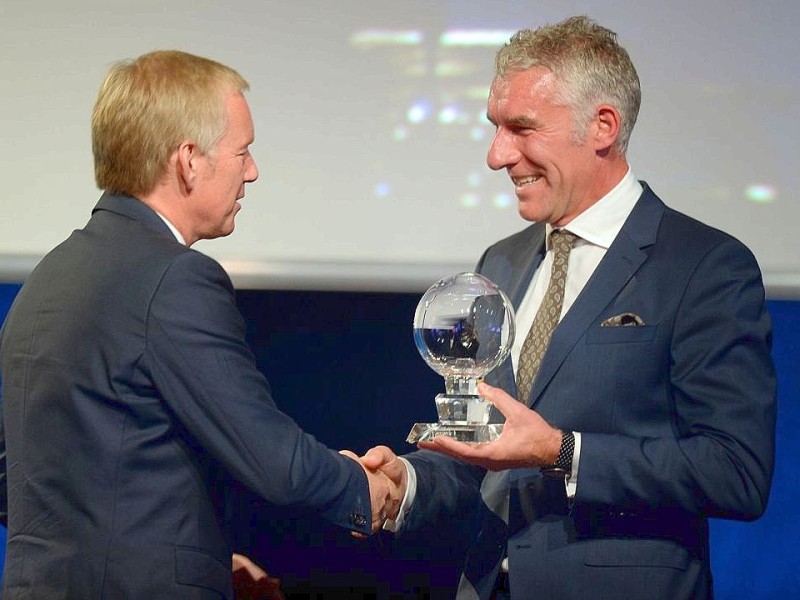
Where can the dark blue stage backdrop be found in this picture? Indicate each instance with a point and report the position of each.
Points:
(344, 366)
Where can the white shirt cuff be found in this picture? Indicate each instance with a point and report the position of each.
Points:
(408, 499)
(572, 480)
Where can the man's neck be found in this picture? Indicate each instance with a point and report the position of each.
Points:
(169, 206)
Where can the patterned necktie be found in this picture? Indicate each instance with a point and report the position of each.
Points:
(546, 319)
(483, 561)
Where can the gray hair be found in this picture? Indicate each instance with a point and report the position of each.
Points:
(591, 67)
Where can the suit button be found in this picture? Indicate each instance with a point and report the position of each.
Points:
(358, 519)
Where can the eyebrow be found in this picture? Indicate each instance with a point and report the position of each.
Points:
(522, 121)
(519, 121)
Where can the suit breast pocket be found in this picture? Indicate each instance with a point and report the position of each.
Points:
(621, 335)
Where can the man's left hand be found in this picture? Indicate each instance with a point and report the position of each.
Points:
(527, 440)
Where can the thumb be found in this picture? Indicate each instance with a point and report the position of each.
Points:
(377, 457)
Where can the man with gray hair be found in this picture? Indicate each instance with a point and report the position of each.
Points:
(645, 390)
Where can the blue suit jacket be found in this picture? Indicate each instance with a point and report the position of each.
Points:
(677, 418)
(129, 399)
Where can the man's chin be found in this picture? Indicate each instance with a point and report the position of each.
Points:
(223, 231)
(526, 213)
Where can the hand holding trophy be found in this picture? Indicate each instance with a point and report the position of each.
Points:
(463, 328)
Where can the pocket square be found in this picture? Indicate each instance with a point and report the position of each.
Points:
(623, 320)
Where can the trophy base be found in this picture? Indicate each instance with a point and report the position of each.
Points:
(478, 434)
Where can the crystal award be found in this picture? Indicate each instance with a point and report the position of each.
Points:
(463, 328)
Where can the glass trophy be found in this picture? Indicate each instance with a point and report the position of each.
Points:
(463, 328)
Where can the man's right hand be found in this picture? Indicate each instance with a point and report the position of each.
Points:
(385, 494)
(382, 459)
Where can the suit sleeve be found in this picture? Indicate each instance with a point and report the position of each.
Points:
(199, 359)
(447, 489)
(721, 388)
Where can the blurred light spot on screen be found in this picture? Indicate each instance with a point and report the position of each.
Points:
(475, 37)
(418, 112)
(761, 193)
(453, 68)
(382, 189)
(400, 133)
(481, 93)
(474, 179)
(477, 134)
(502, 201)
(470, 200)
(448, 114)
(367, 38)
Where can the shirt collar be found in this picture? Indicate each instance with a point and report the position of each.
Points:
(172, 228)
(600, 223)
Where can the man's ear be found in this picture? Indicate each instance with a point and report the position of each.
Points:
(186, 157)
(607, 125)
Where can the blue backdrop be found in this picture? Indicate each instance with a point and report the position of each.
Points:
(344, 366)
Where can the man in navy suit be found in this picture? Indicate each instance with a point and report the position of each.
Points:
(130, 397)
(655, 400)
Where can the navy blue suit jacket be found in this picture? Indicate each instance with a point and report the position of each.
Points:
(677, 417)
(129, 398)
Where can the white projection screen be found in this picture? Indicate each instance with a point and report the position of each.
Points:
(371, 133)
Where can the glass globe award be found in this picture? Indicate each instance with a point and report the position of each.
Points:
(463, 328)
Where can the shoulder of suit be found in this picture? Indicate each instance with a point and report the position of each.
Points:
(193, 264)
(693, 231)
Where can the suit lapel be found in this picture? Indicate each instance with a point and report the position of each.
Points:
(624, 257)
(517, 285)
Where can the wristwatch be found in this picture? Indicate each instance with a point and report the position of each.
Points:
(563, 465)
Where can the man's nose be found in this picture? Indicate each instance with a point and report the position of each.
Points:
(502, 151)
(252, 171)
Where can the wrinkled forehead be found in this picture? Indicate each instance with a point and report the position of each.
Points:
(535, 85)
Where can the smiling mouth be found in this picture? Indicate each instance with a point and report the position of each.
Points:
(523, 181)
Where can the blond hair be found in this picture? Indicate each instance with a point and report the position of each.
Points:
(590, 65)
(148, 106)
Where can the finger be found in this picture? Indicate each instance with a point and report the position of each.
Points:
(253, 571)
(379, 519)
(441, 450)
(451, 447)
(504, 402)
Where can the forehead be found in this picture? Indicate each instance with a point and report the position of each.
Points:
(519, 91)
(239, 127)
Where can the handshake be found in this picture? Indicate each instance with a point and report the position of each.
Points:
(527, 441)
(387, 477)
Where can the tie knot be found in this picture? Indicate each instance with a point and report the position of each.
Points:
(562, 241)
